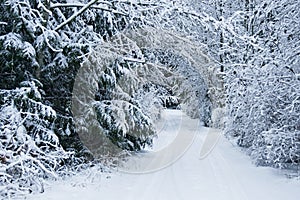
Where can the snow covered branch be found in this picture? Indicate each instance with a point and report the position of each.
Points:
(134, 60)
(70, 19)
(139, 3)
(69, 5)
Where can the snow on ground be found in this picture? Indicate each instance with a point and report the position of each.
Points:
(226, 173)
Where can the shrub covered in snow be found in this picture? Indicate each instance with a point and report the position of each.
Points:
(29, 149)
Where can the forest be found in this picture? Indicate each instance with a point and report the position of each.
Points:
(84, 81)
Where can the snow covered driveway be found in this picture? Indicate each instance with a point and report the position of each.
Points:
(225, 174)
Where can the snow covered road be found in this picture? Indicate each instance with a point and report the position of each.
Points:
(225, 174)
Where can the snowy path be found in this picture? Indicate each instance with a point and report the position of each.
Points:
(225, 174)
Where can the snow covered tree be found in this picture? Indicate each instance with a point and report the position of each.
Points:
(29, 149)
(255, 43)
(259, 69)
(104, 107)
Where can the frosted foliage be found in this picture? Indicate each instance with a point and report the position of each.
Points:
(255, 45)
(126, 86)
(262, 83)
(150, 102)
(13, 42)
(179, 64)
(217, 118)
(29, 149)
(112, 81)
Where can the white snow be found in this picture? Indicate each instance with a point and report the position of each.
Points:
(226, 173)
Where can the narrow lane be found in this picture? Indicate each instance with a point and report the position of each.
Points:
(224, 174)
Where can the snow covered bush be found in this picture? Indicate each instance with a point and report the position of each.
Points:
(278, 148)
(29, 149)
(262, 82)
(270, 118)
(218, 118)
(278, 143)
